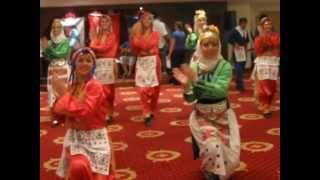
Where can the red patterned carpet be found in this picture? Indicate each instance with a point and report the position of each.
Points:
(163, 152)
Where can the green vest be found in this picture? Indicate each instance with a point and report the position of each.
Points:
(214, 87)
(57, 51)
(191, 41)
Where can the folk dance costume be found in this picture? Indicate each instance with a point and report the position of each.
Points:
(266, 69)
(148, 70)
(86, 150)
(200, 19)
(214, 127)
(57, 52)
(105, 45)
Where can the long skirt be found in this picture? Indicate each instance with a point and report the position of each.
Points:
(215, 129)
(62, 68)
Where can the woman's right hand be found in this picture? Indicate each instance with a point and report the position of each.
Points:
(188, 28)
(187, 71)
(44, 44)
(180, 76)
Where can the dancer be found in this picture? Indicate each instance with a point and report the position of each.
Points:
(144, 44)
(57, 52)
(86, 150)
(177, 49)
(105, 46)
(266, 71)
(200, 21)
(213, 124)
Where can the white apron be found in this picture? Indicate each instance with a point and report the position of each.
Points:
(93, 144)
(240, 54)
(267, 67)
(104, 72)
(146, 72)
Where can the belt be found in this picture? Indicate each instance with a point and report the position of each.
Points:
(148, 55)
(213, 101)
(210, 101)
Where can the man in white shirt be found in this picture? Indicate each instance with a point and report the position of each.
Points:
(160, 27)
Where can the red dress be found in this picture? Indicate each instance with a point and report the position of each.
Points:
(148, 95)
(107, 49)
(268, 42)
(89, 115)
(90, 112)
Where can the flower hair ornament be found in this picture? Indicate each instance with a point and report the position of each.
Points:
(265, 20)
(200, 14)
(210, 31)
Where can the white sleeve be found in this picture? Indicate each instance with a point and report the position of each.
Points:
(163, 30)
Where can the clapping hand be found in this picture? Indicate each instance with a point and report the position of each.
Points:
(192, 76)
(178, 74)
(188, 28)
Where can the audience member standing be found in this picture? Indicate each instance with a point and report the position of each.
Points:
(239, 39)
(160, 27)
(177, 47)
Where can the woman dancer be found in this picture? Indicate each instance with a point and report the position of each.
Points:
(215, 131)
(200, 21)
(105, 46)
(266, 71)
(57, 52)
(86, 153)
(144, 44)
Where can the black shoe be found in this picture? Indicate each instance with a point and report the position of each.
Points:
(210, 176)
(240, 88)
(54, 124)
(148, 120)
(267, 115)
(109, 120)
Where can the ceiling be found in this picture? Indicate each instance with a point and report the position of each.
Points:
(70, 3)
(254, 1)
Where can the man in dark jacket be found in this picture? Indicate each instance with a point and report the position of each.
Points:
(239, 38)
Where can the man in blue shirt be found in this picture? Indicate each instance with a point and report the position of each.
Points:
(177, 47)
